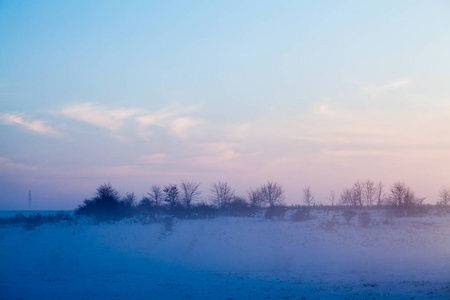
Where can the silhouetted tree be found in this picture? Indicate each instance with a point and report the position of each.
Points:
(156, 195)
(444, 196)
(190, 192)
(129, 199)
(172, 195)
(127, 204)
(308, 197)
(403, 196)
(357, 192)
(105, 204)
(255, 198)
(346, 197)
(368, 192)
(146, 204)
(379, 193)
(332, 197)
(221, 194)
(352, 197)
(272, 193)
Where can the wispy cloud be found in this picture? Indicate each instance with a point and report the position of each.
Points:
(163, 116)
(111, 119)
(37, 126)
(320, 130)
(175, 119)
(157, 158)
(217, 156)
(184, 127)
(7, 163)
(376, 89)
(324, 110)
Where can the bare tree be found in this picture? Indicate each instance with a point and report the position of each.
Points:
(255, 198)
(221, 194)
(369, 192)
(398, 193)
(332, 197)
(346, 198)
(172, 194)
(444, 196)
(357, 192)
(308, 197)
(129, 199)
(354, 196)
(190, 192)
(155, 195)
(402, 195)
(272, 193)
(379, 193)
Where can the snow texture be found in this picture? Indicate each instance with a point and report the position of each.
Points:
(325, 256)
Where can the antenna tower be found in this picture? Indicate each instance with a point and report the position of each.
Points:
(29, 200)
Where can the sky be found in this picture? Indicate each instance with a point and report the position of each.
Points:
(304, 93)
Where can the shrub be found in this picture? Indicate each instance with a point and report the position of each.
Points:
(106, 204)
(330, 225)
(203, 211)
(275, 212)
(364, 219)
(301, 215)
(239, 207)
(348, 215)
(35, 220)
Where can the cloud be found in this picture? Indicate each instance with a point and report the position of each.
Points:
(397, 84)
(324, 110)
(216, 156)
(7, 163)
(376, 89)
(322, 132)
(37, 126)
(157, 158)
(99, 116)
(220, 151)
(174, 119)
(184, 127)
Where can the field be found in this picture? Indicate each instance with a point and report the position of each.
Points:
(325, 254)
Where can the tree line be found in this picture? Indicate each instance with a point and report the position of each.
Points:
(186, 198)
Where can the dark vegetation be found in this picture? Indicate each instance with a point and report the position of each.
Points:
(185, 202)
(182, 203)
(34, 220)
(107, 204)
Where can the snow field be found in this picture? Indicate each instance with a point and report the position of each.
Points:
(231, 258)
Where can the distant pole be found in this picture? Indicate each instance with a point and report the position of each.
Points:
(29, 200)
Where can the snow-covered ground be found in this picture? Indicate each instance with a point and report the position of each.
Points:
(231, 258)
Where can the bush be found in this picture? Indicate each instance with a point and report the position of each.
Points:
(275, 212)
(404, 211)
(35, 220)
(364, 219)
(348, 215)
(107, 204)
(239, 207)
(301, 215)
(203, 211)
(330, 225)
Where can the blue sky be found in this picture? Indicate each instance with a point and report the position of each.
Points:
(318, 93)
